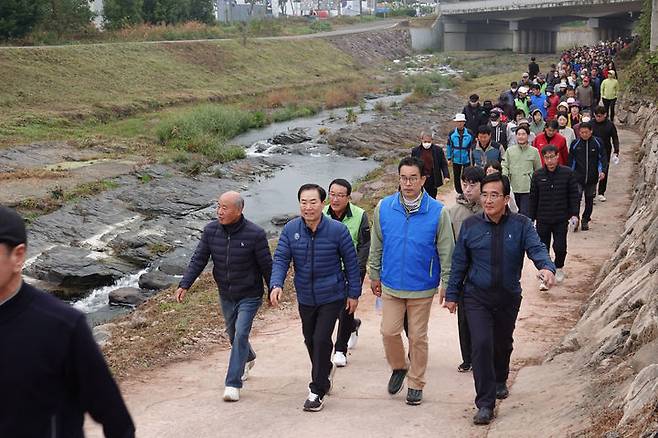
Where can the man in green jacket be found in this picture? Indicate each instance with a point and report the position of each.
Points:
(341, 208)
(519, 164)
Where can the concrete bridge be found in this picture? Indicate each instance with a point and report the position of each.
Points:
(528, 26)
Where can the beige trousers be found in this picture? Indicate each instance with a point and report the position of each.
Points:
(418, 315)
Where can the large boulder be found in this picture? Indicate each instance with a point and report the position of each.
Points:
(157, 280)
(293, 136)
(127, 296)
(77, 268)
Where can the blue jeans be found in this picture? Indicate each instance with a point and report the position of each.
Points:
(238, 316)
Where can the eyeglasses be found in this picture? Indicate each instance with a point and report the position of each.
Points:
(337, 195)
(492, 196)
(409, 180)
(550, 157)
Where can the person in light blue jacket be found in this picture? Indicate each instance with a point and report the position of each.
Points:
(326, 280)
(459, 149)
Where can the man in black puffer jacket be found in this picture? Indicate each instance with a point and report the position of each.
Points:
(554, 200)
(241, 259)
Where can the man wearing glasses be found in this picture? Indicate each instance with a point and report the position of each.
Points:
(486, 271)
(554, 201)
(341, 208)
(410, 254)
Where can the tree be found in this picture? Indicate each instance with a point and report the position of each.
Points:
(19, 17)
(122, 13)
(67, 16)
(166, 11)
(202, 10)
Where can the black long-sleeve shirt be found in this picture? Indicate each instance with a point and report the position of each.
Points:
(607, 132)
(52, 372)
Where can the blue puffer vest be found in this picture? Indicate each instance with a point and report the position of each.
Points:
(410, 260)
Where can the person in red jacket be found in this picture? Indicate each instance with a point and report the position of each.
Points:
(552, 101)
(552, 136)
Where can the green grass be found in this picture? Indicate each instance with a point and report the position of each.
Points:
(49, 92)
(294, 111)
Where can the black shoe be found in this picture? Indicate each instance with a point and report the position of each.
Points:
(464, 367)
(584, 226)
(483, 416)
(414, 396)
(313, 403)
(396, 381)
(501, 391)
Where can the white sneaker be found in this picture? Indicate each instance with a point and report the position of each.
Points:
(340, 360)
(231, 394)
(354, 337)
(247, 367)
(559, 275)
(542, 286)
(601, 198)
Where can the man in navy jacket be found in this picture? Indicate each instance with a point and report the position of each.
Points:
(51, 370)
(241, 259)
(326, 280)
(486, 269)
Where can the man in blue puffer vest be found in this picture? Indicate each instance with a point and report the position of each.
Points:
(486, 272)
(458, 149)
(410, 251)
(319, 247)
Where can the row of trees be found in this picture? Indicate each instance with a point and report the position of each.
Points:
(20, 17)
(121, 13)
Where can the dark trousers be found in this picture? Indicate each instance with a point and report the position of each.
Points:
(492, 330)
(603, 184)
(464, 334)
(589, 190)
(430, 187)
(457, 176)
(523, 202)
(318, 323)
(559, 233)
(609, 105)
(346, 326)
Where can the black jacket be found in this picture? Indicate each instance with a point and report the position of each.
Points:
(499, 134)
(533, 70)
(587, 159)
(241, 258)
(553, 195)
(52, 372)
(440, 163)
(607, 133)
(475, 116)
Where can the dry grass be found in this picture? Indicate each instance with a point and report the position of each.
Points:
(33, 173)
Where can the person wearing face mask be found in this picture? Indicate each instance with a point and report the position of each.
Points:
(565, 130)
(458, 148)
(551, 136)
(436, 165)
(475, 113)
(519, 163)
(586, 116)
(512, 93)
(498, 128)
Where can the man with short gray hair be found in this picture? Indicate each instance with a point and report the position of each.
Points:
(241, 259)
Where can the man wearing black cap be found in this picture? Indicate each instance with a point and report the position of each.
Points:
(51, 370)
(498, 129)
(475, 114)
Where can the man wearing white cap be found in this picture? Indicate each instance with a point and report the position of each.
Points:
(458, 149)
(522, 102)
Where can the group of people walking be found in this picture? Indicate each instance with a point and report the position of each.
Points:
(520, 170)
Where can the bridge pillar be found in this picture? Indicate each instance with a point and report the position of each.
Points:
(516, 41)
(552, 48)
(454, 36)
(653, 42)
(542, 46)
(524, 41)
(534, 40)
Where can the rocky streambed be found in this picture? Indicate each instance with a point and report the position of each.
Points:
(138, 236)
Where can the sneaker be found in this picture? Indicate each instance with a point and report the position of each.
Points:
(601, 198)
(396, 381)
(247, 367)
(483, 416)
(559, 275)
(542, 285)
(464, 367)
(354, 337)
(313, 403)
(501, 391)
(231, 394)
(414, 396)
(584, 226)
(331, 377)
(340, 360)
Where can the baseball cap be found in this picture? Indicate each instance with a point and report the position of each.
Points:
(12, 227)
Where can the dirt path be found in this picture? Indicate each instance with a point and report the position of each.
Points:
(184, 399)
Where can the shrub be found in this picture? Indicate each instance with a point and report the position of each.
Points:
(320, 26)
